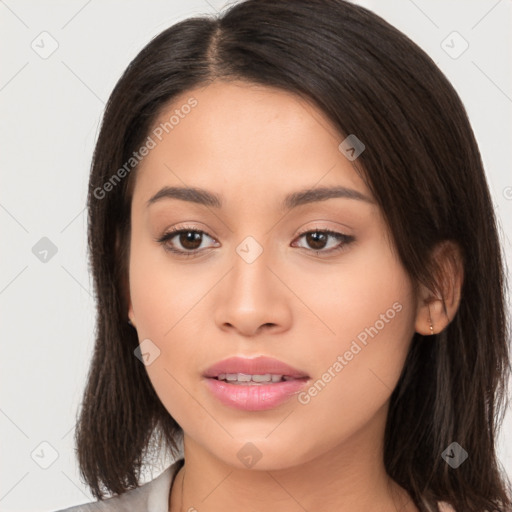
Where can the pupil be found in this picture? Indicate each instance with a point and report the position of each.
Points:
(315, 240)
(192, 238)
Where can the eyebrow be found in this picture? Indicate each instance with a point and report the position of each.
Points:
(301, 197)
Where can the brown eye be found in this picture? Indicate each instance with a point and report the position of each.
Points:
(317, 240)
(190, 240)
(184, 242)
(187, 242)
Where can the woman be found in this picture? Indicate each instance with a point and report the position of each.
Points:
(298, 274)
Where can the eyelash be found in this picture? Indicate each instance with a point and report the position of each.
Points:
(173, 232)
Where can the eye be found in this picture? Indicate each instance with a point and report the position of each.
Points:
(189, 240)
(318, 240)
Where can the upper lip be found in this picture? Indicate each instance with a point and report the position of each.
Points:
(253, 366)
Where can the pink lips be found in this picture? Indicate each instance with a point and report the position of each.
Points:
(259, 396)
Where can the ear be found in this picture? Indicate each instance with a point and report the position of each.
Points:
(125, 287)
(437, 307)
(131, 316)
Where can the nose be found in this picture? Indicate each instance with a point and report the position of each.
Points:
(253, 299)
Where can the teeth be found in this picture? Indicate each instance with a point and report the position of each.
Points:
(236, 378)
(262, 378)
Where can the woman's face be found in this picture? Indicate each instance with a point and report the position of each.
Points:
(338, 307)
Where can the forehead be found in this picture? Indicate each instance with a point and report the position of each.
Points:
(243, 137)
(233, 100)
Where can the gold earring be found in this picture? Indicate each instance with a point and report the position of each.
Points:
(430, 322)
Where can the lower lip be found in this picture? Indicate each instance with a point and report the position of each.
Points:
(255, 398)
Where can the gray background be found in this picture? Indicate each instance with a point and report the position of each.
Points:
(51, 106)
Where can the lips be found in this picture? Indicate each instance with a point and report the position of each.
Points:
(254, 366)
(254, 384)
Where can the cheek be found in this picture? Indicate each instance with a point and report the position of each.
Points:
(354, 382)
(372, 311)
(168, 302)
(366, 313)
(367, 295)
(163, 293)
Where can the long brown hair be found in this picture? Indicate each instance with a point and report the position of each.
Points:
(423, 166)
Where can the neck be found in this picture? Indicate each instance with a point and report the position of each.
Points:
(350, 477)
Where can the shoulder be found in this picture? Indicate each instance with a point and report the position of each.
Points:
(152, 496)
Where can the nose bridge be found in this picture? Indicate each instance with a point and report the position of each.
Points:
(251, 296)
(250, 275)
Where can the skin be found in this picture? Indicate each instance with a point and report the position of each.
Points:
(253, 145)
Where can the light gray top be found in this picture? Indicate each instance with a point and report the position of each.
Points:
(152, 496)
